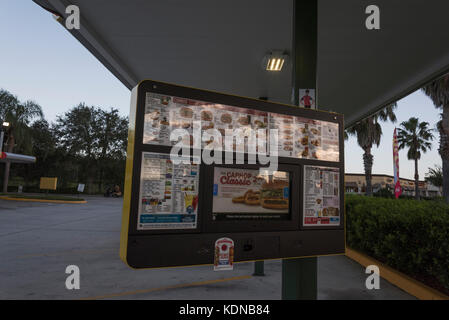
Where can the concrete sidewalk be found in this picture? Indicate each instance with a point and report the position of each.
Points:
(38, 241)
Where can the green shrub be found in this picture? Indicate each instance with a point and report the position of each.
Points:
(384, 193)
(408, 235)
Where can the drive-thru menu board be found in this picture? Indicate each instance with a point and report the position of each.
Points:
(242, 194)
(278, 198)
(297, 137)
(321, 196)
(168, 193)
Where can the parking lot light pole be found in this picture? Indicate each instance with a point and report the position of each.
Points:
(1, 139)
(4, 124)
(2, 135)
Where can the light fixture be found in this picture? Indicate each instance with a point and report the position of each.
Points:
(6, 124)
(274, 60)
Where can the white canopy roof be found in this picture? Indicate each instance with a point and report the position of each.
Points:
(219, 45)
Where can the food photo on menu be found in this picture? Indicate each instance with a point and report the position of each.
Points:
(164, 114)
(157, 116)
(321, 196)
(297, 137)
(247, 194)
(307, 138)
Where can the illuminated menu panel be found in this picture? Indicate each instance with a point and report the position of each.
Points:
(168, 196)
(243, 194)
(306, 138)
(321, 196)
(297, 137)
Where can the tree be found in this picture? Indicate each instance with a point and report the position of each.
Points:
(438, 91)
(97, 138)
(76, 133)
(75, 130)
(369, 132)
(43, 140)
(44, 149)
(415, 136)
(435, 176)
(112, 131)
(19, 115)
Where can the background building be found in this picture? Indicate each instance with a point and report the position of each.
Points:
(356, 183)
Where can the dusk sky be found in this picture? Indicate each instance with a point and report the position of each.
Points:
(41, 61)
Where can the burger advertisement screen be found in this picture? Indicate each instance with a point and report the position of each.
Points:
(244, 194)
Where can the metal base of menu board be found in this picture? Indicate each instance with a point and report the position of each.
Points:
(299, 276)
(259, 269)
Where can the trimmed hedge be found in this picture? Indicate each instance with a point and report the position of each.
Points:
(408, 235)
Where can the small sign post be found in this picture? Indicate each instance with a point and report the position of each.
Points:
(80, 188)
(48, 184)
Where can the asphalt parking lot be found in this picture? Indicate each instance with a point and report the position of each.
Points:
(39, 240)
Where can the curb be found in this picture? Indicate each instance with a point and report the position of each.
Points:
(42, 200)
(406, 283)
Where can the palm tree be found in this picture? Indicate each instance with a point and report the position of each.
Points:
(369, 133)
(416, 136)
(438, 91)
(435, 176)
(19, 115)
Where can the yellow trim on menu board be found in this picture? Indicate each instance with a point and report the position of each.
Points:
(128, 176)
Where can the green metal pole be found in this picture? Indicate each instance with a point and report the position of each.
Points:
(299, 276)
(299, 279)
(259, 267)
(304, 46)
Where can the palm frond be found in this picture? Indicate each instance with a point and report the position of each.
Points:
(415, 136)
(438, 91)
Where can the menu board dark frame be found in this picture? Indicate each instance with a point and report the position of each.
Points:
(253, 241)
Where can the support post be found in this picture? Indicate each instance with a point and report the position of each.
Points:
(299, 276)
(259, 267)
(304, 47)
(299, 279)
